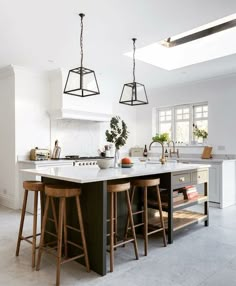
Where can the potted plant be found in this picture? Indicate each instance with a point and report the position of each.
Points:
(199, 133)
(118, 134)
(162, 137)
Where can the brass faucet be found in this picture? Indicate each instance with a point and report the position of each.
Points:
(173, 151)
(162, 159)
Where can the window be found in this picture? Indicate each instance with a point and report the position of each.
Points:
(178, 121)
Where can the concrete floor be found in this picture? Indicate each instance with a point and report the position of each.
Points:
(199, 256)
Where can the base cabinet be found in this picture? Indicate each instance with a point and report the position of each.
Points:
(222, 184)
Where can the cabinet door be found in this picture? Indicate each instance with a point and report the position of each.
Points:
(215, 183)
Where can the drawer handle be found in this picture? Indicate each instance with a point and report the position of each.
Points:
(182, 179)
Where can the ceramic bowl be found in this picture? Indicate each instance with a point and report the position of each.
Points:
(105, 163)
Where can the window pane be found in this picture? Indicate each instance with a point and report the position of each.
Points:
(179, 117)
(186, 116)
(182, 131)
(162, 118)
(198, 115)
(179, 111)
(198, 108)
(165, 128)
(168, 118)
(168, 112)
(202, 124)
(162, 113)
(205, 114)
(186, 110)
(205, 108)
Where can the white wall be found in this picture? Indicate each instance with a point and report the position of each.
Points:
(220, 94)
(7, 142)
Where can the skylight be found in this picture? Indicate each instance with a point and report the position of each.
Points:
(206, 48)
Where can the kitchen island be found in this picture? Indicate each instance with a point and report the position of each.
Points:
(93, 182)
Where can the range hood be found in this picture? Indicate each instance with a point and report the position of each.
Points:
(79, 115)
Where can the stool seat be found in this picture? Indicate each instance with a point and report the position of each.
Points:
(118, 187)
(146, 183)
(113, 188)
(62, 192)
(33, 186)
(36, 187)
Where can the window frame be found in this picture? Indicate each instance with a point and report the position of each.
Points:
(191, 119)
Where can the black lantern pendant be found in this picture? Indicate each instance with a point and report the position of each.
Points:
(81, 81)
(134, 93)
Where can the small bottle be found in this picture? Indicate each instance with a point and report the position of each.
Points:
(166, 154)
(145, 151)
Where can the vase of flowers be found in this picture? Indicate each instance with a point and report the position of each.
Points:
(118, 134)
(200, 133)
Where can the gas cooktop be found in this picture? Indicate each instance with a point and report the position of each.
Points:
(77, 157)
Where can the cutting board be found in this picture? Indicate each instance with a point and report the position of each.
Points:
(206, 154)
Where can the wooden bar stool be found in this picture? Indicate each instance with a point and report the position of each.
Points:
(145, 184)
(62, 193)
(113, 189)
(36, 187)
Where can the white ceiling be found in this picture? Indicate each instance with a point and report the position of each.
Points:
(44, 34)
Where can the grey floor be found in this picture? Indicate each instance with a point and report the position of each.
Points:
(203, 256)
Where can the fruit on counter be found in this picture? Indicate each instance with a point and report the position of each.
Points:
(126, 160)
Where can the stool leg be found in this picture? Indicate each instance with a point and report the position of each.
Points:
(65, 232)
(132, 224)
(59, 238)
(111, 231)
(127, 222)
(34, 227)
(54, 214)
(161, 215)
(145, 219)
(81, 224)
(115, 219)
(42, 233)
(21, 222)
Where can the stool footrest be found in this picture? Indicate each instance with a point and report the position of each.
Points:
(72, 258)
(123, 242)
(74, 244)
(73, 228)
(154, 231)
(51, 233)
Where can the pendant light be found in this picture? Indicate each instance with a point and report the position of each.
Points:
(134, 93)
(81, 81)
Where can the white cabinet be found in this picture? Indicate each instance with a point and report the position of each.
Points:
(25, 176)
(222, 185)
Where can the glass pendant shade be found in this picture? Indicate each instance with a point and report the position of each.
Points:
(81, 81)
(133, 93)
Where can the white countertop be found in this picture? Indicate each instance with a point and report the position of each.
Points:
(45, 162)
(94, 174)
(212, 160)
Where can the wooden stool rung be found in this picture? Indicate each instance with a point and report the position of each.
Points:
(72, 258)
(123, 242)
(75, 244)
(51, 233)
(73, 228)
(155, 231)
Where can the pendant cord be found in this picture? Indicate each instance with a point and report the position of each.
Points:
(81, 40)
(134, 48)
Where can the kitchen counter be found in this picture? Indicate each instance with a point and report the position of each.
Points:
(88, 175)
(200, 160)
(94, 198)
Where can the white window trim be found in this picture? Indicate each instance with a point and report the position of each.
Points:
(173, 118)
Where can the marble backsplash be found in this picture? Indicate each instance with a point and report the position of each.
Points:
(77, 137)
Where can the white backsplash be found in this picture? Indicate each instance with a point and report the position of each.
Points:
(77, 137)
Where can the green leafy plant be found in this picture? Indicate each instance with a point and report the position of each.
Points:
(199, 133)
(118, 133)
(162, 137)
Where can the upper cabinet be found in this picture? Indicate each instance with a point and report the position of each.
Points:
(64, 106)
